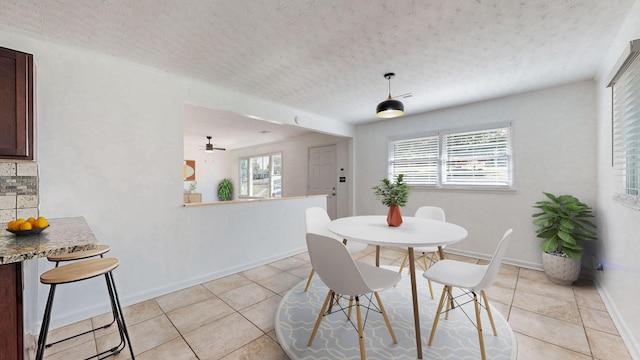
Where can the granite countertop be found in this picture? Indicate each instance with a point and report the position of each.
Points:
(64, 235)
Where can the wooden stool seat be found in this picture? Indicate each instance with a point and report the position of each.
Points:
(77, 271)
(78, 255)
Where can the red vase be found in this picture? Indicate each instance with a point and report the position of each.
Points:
(394, 218)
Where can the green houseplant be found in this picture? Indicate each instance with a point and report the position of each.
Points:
(395, 195)
(563, 222)
(225, 190)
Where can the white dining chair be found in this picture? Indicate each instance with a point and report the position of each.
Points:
(471, 278)
(348, 278)
(428, 254)
(316, 221)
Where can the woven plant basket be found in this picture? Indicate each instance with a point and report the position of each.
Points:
(561, 269)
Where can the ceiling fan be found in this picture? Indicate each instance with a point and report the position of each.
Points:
(209, 146)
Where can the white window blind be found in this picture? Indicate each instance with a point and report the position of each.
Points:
(477, 158)
(626, 128)
(417, 159)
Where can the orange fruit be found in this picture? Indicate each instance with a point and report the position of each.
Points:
(41, 222)
(12, 225)
(26, 226)
(31, 221)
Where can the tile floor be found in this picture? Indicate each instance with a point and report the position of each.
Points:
(232, 317)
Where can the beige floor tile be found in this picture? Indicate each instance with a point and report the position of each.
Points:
(183, 297)
(133, 314)
(590, 299)
(272, 335)
(280, 283)
(81, 351)
(261, 272)
(554, 331)
(561, 309)
(226, 283)
(503, 309)
(533, 349)
(144, 336)
(176, 349)
(507, 276)
(598, 320)
(545, 288)
(67, 331)
(222, 336)
(262, 348)
(606, 346)
(288, 263)
(191, 317)
(501, 294)
(301, 271)
(246, 295)
(263, 313)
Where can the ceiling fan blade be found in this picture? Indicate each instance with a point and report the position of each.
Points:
(221, 149)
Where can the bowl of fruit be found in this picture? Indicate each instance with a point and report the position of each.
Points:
(31, 226)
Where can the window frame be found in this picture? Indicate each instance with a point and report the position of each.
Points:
(441, 160)
(272, 175)
(625, 129)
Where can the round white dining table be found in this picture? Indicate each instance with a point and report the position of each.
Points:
(414, 232)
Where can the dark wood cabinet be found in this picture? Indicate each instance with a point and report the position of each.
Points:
(11, 325)
(16, 105)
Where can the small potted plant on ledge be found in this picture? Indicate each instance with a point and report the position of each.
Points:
(225, 190)
(395, 195)
(563, 222)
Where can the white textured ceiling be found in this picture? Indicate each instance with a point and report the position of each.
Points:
(328, 56)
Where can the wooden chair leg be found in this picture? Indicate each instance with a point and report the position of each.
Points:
(430, 288)
(486, 304)
(404, 261)
(435, 321)
(309, 281)
(320, 315)
(350, 305)
(479, 325)
(386, 318)
(363, 355)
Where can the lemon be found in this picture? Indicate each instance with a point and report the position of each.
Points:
(41, 222)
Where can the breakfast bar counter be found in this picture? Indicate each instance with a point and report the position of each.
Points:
(63, 236)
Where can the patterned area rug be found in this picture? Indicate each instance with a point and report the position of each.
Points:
(456, 338)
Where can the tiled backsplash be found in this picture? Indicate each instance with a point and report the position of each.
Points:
(18, 190)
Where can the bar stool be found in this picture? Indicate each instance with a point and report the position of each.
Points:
(78, 271)
(80, 255)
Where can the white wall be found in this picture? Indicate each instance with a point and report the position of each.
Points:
(554, 145)
(618, 225)
(110, 148)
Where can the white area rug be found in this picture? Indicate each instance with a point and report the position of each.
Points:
(456, 338)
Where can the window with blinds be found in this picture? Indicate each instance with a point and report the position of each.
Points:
(479, 158)
(626, 127)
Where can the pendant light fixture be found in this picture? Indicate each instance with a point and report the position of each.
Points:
(390, 108)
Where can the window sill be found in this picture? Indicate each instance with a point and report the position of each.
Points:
(630, 201)
(476, 189)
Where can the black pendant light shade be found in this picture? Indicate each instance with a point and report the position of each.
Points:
(390, 108)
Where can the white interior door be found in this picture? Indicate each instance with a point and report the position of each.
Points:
(322, 175)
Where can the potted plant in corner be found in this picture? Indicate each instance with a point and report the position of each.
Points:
(395, 195)
(563, 222)
(225, 190)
